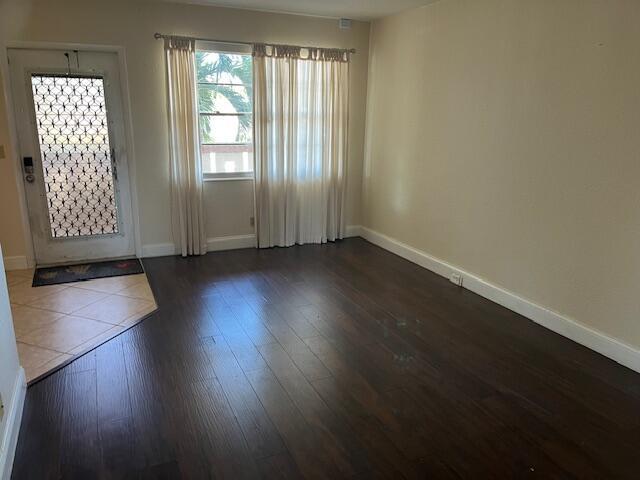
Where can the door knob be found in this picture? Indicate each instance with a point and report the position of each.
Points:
(30, 177)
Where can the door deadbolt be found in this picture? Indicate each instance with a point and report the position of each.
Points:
(27, 163)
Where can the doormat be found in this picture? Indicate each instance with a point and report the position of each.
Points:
(85, 271)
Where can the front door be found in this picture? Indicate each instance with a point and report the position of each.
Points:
(70, 123)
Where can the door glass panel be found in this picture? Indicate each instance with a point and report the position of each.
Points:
(71, 118)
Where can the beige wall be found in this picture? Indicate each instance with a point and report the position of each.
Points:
(11, 235)
(229, 208)
(502, 137)
(132, 24)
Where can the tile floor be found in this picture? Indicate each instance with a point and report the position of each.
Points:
(56, 322)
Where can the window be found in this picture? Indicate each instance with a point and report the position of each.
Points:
(225, 108)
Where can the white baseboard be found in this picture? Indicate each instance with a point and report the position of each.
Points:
(353, 231)
(16, 263)
(158, 250)
(214, 244)
(14, 417)
(233, 242)
(602, 343)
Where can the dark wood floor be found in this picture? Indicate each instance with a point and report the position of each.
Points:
(337, 361)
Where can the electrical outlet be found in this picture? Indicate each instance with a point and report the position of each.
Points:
(252, 221)
(456, 279)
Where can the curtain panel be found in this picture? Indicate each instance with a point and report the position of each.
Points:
(301, 99)
(187, 215)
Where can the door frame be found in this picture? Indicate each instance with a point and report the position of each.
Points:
(13, 135)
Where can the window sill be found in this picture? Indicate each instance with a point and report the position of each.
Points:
(225, 179)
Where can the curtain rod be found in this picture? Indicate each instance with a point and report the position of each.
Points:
(160, 35)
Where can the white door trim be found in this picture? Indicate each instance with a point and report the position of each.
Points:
(128, 129)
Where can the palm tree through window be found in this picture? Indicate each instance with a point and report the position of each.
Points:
(225, 106)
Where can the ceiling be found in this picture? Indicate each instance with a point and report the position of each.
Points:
(354, 9)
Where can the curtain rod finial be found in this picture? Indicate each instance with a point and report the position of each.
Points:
(157, 35)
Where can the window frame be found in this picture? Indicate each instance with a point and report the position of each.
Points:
(233, 49)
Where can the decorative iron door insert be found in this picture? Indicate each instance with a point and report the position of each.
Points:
(78, 173)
